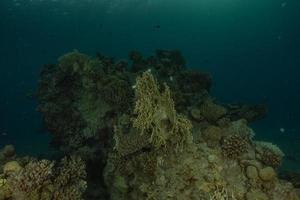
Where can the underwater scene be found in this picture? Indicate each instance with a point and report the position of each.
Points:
(150, 100)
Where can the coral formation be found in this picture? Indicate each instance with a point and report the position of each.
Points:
(269, 154)
(126, 144)
(8, 151)
(156, 113)
(149, 130)
(234, 145)
(198, 171)
(222, 194)
(11, 167)
(26, 183)
(43, 180)
(211, 111)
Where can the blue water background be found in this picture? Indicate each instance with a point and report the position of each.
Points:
(251, 48)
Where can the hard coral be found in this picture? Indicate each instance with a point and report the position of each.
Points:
(240, 127)
(27, 183)
(82, 99)
(234, 145)
(129, 143)
(117, 93)
(11, 167)
(43, 180)
(9, 151)
(269, 154)
(212, 135)
(69, 182)
(156, 113)
(73, 62)
(222, 194)
(212, 111)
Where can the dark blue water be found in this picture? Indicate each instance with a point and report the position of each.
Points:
(251, 48)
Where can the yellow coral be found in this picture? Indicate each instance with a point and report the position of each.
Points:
(2, 182)
(156, 113)
(147, 94)
(5, 192)
(222, 194)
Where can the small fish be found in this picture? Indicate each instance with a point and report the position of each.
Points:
(157, 26)
(282, 130)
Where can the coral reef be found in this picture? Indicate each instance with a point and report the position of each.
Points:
(44, 180)
(198, 171)
(148, 130)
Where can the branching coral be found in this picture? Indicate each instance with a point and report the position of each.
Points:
(156, 113)
(234, 145)
(70, 180)
(43, 180)
(222, 194)
(27, 183)
(269, 153)
(237, 139)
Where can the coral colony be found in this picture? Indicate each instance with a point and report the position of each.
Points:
(145, 130)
